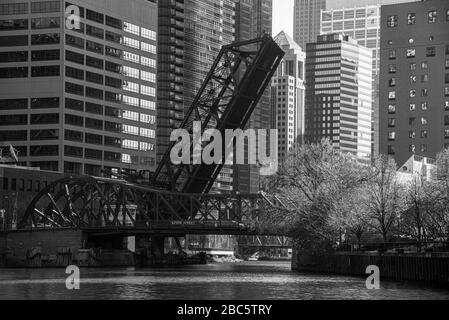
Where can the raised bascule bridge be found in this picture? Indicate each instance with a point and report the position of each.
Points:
(178, 200)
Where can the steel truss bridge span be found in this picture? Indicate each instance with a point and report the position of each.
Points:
(108, 206)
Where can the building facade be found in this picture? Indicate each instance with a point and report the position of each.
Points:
(253, 19)
(79, 98)
(361, 22)
(306, 20)
(288, 94)
(414, 79)
(339, 94)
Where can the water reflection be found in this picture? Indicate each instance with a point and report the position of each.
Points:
(255, 280)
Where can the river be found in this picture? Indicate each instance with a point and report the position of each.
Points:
(238, 281)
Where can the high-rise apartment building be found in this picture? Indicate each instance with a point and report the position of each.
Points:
(339, 94)
(253, 18)
(306, 20)
(288, 94)
(79, 100)
(192, 33)
(414, 79)
(360, 21)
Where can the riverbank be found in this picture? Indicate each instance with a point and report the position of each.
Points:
(431, 269)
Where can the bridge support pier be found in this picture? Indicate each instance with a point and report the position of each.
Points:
(157, 246)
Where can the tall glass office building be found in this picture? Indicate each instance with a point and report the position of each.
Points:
(79, 100)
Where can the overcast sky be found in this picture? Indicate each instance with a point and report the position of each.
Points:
(283, 16)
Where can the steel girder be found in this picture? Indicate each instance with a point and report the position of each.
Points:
(100, 203)
(226, 100)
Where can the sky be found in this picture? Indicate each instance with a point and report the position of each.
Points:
(283, 16)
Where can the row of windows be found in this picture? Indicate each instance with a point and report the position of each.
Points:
(36, 39)
(412, 107)
(28, 185)
(22, 72)
(36, 103)
(393, 20)
(22, 119)
(36, 23)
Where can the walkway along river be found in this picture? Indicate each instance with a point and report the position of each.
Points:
(238, 281)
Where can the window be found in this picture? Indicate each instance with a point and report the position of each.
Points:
(148, 91)
(411, 52)
(149, 34)
(412, 79)
(392, 54)
(412, 66)
(148, 62)
(112, 142)
(392, 109)
(113, 37)
(148, 47)
(391, 150)
(432, 16)
(424, 121)
(44, 134)
(446, 105)
(74, 57)
(446, 64)
(45, 71)
(411, 18)
(14, 72)
(114, 67)
(446, 120)
(391, 122)
(45, 23)
(412, 106)
(112, 126)
(412, 148)
(412, 93)
(424, 106)
(424, 134)
(447, 15)
(446, 78)
(392, 82)
(130, 42)
(94, 47)
(424, 148)
(113, 52)
(113, 22)
(38, 151)
(424, 92)
(412, 134)
(16, 56)
(13, 104)
(392, 68)
(93, 138)
(74, 120)
(73, 135)
(44, 103)
(149, 76)
(74, 41)
(391, 136)
(148, 133)
(45, 55)
(94, 93)
(15, 24)
(446, 136)
(94, 62)
(72, 151)
(74, 104)
(45, 38)
(13, 8)
(45, 6)
(94, 77)
(94, 108)
(411, 121)
(430, 51)
(13, 41)
(74, 88)
(11, 135)
(14, 119)
(45, 118)
(131, 28)
(424, 78)
(113, 82)
(446, 91)
(95, 32)
(94, 16)
(74, 73)
(93, 154)
(392, 21)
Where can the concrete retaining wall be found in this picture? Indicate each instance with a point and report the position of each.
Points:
(43, 248)
(432, 269)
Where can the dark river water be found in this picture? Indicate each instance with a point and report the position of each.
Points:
(239, 281)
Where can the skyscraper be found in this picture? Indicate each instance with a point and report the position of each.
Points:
(288, 94)
(361, 22)
(339, 94)
(253, 18)
(79, 100)
(414, 79)
(306, 20)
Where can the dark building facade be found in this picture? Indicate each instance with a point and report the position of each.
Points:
(414, 79)
(253, 18)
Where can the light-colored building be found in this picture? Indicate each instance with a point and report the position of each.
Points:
(79, 100)
(288, 94)
(360, 20)
(339, 94)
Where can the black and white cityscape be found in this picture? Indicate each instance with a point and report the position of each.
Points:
(224, 150)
